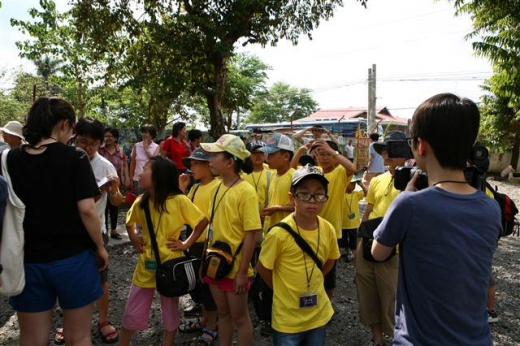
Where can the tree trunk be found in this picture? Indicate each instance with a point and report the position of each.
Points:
(214, 100)
(515, 153)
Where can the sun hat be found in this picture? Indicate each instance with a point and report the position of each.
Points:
(229, 143)
(198, 155)
(390, 136)
(306, 172)
(13, 128)
(278, 142)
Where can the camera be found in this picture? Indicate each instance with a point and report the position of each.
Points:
(403, 175)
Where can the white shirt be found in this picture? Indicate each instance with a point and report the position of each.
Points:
(102, 168)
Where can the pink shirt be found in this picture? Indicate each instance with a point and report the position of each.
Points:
(141, 158)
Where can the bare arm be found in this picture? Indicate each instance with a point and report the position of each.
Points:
(299, 135)
(327, 267)
(240, 284)
(132, 163)
(301, 150)
(126, 176)
(332, 137)
(90, 218)
(342, 160)
(380, 252)
(177, 244)
(266, 274)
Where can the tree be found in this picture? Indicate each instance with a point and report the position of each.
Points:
(496, 35)
(46, 67)
(203, 32)
(280, 102)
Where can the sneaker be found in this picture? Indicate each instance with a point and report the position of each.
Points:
(492, 316)
(266, 329)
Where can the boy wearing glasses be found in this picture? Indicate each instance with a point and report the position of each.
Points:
(301, 307)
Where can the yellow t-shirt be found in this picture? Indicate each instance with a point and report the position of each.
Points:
(381, 194)
(233, 217)
(352, 219)
(202, 200)
(279, 195)
(335, 207)
(286, 259)
(167, 224)
(259, 181)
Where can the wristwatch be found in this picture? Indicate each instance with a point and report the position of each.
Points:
(336, 153)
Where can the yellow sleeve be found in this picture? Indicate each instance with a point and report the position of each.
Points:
(270, 249)
(191, 214)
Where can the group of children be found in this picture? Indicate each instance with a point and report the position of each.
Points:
(244, 194)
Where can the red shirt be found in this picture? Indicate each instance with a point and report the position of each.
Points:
(176, 151)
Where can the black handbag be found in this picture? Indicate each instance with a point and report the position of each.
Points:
(366, 232)
(175, 277)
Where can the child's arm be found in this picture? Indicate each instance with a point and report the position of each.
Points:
(175, 244)
(363, 186)
(327, 267)
(265, 273)
(240, 285)
(301, 150)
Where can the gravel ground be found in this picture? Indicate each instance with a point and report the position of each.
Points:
(345, 328)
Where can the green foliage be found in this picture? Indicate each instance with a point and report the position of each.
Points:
(186, 45)
(280, 102)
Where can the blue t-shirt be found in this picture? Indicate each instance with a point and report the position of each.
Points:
(446, 249)
(377, 165)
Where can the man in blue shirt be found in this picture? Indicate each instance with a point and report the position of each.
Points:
(447, 233)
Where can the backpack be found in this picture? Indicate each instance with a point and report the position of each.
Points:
(508, 210)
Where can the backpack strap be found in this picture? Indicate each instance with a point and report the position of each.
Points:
(300, 241)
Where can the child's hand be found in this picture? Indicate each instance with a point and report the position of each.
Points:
(175, 244)
(184, 181)
(268, 211)
(137, 243)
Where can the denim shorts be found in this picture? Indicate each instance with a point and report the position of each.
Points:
(313, 337)
(74, 281)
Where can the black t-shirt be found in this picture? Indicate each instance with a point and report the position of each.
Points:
(50, 184)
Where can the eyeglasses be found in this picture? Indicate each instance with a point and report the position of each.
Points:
(82, 142)
(306, 197)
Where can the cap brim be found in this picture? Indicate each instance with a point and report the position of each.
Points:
(256, 147)
(211, 147)
(187, 161)
(269, 150)
(379, 146)
(320, 177)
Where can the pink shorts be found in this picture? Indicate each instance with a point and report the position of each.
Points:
(138, 305)
(226, 284)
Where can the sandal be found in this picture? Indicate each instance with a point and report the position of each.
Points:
(59, 339)
(207, 338)
(115, 235)
(191, 327)
(112, 336)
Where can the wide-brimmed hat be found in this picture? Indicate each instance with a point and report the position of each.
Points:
(13, 128)
(390, 136)
(198, 155)
(228, 143)
(306, 172)
(278, 142)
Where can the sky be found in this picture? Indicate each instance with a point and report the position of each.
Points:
(418, 47)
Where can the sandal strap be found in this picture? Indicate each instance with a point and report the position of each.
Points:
(211, 332)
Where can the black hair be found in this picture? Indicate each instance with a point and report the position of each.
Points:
(113, 131)
(177, 127)
(165, 180)
(450, 125)
(294, 187)
(245, 166)
(148, 128)
(306, 159)
(333, 145)
(194, 134)
(90, 127)
(44, 114)
(291, 154)
(374, 137)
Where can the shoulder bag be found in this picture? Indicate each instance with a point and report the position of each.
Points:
(12, 246)
(175, 277)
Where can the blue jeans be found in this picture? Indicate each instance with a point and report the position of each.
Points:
(313, 337)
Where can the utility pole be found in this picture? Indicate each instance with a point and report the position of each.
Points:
(371, 113)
